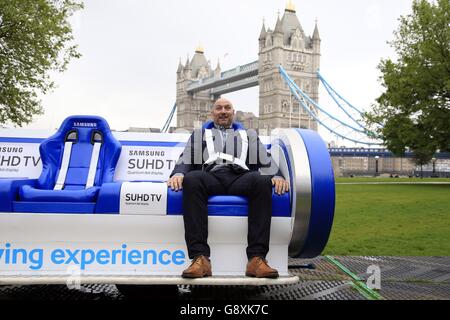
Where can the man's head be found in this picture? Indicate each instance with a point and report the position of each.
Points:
(222, 112)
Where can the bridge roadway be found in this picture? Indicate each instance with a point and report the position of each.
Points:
(322, 278)
(239, 78)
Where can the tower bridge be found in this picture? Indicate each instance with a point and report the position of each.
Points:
(198, 84)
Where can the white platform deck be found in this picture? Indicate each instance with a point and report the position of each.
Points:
(147, 280)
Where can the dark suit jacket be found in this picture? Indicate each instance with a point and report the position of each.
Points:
(196, 154)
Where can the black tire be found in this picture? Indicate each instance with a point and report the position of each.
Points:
(144, 292)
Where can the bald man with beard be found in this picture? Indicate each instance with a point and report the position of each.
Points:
(225, 159)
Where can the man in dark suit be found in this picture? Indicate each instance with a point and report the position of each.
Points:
(222, 159)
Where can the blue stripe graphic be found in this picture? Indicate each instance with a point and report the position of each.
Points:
(153, 143)
(124, 143)
(21, 140)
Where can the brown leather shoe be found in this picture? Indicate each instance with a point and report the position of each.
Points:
(258, 267)
(199, 268)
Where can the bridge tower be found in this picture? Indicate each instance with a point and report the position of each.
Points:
(193, 109)
(299, 54)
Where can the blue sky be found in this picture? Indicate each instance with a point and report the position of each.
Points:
(131, 51)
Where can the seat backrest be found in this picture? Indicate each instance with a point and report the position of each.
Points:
(83, 132)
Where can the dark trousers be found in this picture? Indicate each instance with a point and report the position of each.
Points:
(199, 185)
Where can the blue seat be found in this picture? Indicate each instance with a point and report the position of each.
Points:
(59, 184)
(55, 192)
(226, 205)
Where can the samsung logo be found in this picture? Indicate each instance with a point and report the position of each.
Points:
(85, 124)
(11, 149)
(147, 153)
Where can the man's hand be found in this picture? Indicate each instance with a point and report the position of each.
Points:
(175, 183)
(281, 185)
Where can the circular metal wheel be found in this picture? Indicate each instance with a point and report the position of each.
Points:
(307, 162)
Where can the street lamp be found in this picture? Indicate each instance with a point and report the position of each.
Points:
(341, 166)
(434, 167)
(376, 165)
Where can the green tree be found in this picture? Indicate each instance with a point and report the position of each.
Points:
(413, 112)
(35, 39)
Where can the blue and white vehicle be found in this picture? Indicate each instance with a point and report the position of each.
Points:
(93, 204)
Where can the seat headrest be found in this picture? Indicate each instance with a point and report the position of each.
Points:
(84, 122)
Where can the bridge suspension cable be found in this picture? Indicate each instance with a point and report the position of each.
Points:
(169, 119)
(358, 135)
(336, 96)
(333, 95)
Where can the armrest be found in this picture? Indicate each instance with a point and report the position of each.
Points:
(108, 200)
(9, 191)
(174, 202)
(281, 156)
(281, 204)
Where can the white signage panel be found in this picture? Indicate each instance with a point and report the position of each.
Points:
(91, 258)
(145, 198)
(20, 160)
(147, 163)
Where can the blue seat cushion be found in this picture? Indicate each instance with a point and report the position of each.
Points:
(226, 205)
(28, 193)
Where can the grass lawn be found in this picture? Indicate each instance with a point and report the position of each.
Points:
(391, 220)
(397, 180)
